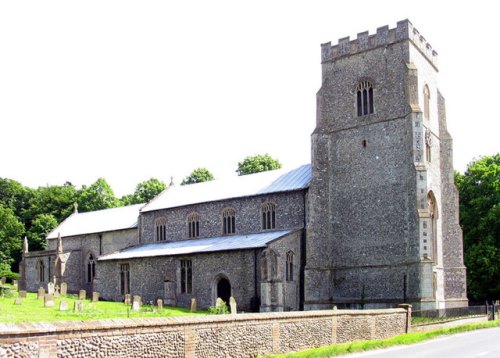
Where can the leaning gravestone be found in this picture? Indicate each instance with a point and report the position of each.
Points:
(50, 288)
(41, 293)
(193, 304)
(78, 307)
(232, 304)
(22, 294)
(64, 289)
(95, 296)
(128, 299)
(63, 305)
(48, 300)
(82, 294)
(18, 301)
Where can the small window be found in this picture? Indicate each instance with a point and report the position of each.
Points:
(124, 279)
(90, 268)
(161, 229)
(229, 221)
(427, 96)
(289, 265)
(268, 216)
(428, 145)
(364, 98)
(41, 271)
(193, 221)
(186, 276)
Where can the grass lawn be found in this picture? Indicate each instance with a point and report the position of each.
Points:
(33, 310)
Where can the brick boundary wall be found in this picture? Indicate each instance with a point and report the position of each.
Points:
(242, 335)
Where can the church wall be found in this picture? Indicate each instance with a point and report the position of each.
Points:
(32, 260)
(289, 215)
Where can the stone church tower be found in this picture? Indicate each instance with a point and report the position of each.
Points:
(383, 209)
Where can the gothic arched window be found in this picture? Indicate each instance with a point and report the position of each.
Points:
(90, 268)
(193, 221)
(289, 265)
(427, 96)
(161, 229)
(41, 271)
(229, 221)
(268, 216)
(364, 98)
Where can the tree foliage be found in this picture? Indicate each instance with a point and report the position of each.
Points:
(11, 230)
(144, 192)
(256, 164)
(198, 175)
(97, 196)
(479, 190)
(40, 227)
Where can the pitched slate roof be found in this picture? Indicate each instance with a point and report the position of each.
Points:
(124, 217)
(173, 248)
(273, 181)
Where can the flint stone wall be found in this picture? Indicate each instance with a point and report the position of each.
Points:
(245, 335)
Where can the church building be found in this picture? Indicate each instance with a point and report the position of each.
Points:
(371, 222)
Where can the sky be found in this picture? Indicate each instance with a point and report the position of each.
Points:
(130, 90)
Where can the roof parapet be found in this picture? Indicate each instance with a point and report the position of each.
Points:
(384, 36)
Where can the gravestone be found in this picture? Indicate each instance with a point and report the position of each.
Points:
(193, 304)
(3, 280)
(82, 294)
(232, 304)
(219, 302)
(128, 299)
(14, 283)
(18, 301)
(159, 304)
(78, 306)
(50, 288)
(48, 300)
(64, 289)
(41, 293)
(95, 296)
(137, 299)
(63, 305)
(169, 288)
(22, 294)
(136, 303)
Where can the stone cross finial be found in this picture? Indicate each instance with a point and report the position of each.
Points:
(75, 208)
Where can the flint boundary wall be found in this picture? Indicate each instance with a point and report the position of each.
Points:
(242, 335)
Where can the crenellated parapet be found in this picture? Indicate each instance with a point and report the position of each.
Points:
(384, 36)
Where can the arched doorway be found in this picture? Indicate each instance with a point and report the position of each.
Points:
(224, 289)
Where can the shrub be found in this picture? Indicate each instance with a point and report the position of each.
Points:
(220, 308)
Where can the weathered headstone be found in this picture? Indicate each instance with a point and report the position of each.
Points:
(3, 280)
(22, 294)
(232, 304)
(50, 288)
(63, 305)
(128, 299)
(136, 303)
(56, 291)
(48, 300)
(137, 299)
(64, 289)
(95, 296)
(78, 306)
(159, 304)
(41, 293)
(82, 294)
(219, 302)
(193, 304)
(18, 301)
(14, 283)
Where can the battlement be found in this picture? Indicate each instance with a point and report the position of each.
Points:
(384, 36)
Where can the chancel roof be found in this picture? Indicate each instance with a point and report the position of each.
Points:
(185, 247)
(273, 181)
(121, 218)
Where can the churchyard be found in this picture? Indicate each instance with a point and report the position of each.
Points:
(47, 307)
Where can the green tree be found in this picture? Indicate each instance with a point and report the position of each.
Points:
(14, 195)
(479, 190)
(11, 230)
(144, 192)
(256, 164)
(198, 175)
(40, 227)
(56, 200)
(97, 196)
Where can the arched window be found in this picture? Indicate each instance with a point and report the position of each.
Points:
(427, 96)
(161, 229)
(90, 268)
(41, 271)
(228, 221)
(193, 221)
(364, 98)
(432, 206)
(289, 265)
(268, 216)
(428, 145)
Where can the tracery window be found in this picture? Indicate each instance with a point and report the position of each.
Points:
(186, 276)
(193, 221)
(289, 265)
(268, 216)
(124, 279)
(364, 98)
(161, 229)
(229, 221)
(90, 268)
(41, 271)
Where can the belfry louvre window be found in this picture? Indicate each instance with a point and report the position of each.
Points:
(268, 216)
(186, 276)
(228, 221)
(161, 229)
(124, 279)
(193, 221)
(364, 98)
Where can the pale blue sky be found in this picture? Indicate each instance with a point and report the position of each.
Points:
(129, 90)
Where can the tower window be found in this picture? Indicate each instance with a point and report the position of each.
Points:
(161, 229)
(193, 221)
(229, 221)
(364, 98)
(268, 216)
